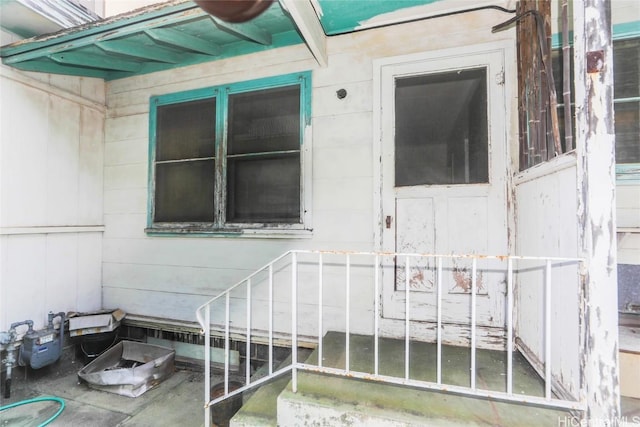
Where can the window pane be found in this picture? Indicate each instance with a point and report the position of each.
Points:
(626, 68)
(441, 128)
(184, 191)
(264, 189)
(266, 120)
(186, 130)
(627, 124)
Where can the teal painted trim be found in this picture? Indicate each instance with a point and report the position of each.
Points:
(628, 173)
(151, 157)
(337, 19)
(221, 93)
(625, 30)
(288, 38)
(106, 25)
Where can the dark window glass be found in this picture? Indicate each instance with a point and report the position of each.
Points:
(264, 189)
(441, 128)
(263, 156)
(185, 164)
(186, 130)
(626, 75)
(184, 191)
(626, 70)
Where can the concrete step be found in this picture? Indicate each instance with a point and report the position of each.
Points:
(259, 408)
(337, 401)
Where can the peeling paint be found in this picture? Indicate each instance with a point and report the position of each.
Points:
(462, 278)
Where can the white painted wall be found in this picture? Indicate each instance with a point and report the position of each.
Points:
(169, 277)
(546, 226)
(51, 156)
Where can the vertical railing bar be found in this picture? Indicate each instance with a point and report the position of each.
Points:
(406, 318)
(294, 322)
(320, 309)
(226, 344)
(247, 360)
(207, 363)
(547, 332)
(270, 319)
(510, 326)
(439, 324)
(347, 313)
(473, 322)
(376, 314)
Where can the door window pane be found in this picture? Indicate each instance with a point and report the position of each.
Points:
(441, 128)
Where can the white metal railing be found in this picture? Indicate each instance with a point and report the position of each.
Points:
(270, 297)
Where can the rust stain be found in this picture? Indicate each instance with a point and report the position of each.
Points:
(462, 278)
(417, 280)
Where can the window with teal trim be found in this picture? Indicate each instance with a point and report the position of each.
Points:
(229, 158)
(626, 104)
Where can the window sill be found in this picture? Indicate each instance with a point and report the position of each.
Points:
(628, 174)
(264, 233)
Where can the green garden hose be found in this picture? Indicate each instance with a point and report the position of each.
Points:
(38, 399)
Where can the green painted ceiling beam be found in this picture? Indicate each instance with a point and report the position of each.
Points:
(183, 41)
(95, 61)
(246, 30)
(138, 50)
(47, 66)
(77, 40)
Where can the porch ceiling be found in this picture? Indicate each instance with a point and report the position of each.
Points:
(179, 33)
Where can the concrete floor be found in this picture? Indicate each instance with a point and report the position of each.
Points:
(177, 401)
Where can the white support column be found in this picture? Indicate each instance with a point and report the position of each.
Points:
(595, 145)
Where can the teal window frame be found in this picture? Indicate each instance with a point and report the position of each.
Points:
(626, 173)
(219, 226)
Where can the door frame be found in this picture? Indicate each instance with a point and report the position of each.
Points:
(508, 75)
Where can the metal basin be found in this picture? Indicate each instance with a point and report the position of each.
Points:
(129, 368)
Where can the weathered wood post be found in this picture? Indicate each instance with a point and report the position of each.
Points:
(596, 210)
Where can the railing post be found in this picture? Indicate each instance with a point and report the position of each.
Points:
(320, 307)
(227, 348)
(473, 322)
(376, 314)
(248, 348)
(270, 319)
(294, 322)
(407, 315)
(510, 326)
(439, 324)
(347, 313)
(547, 332)
(207, 364)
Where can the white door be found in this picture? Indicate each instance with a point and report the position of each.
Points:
(443, 180)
